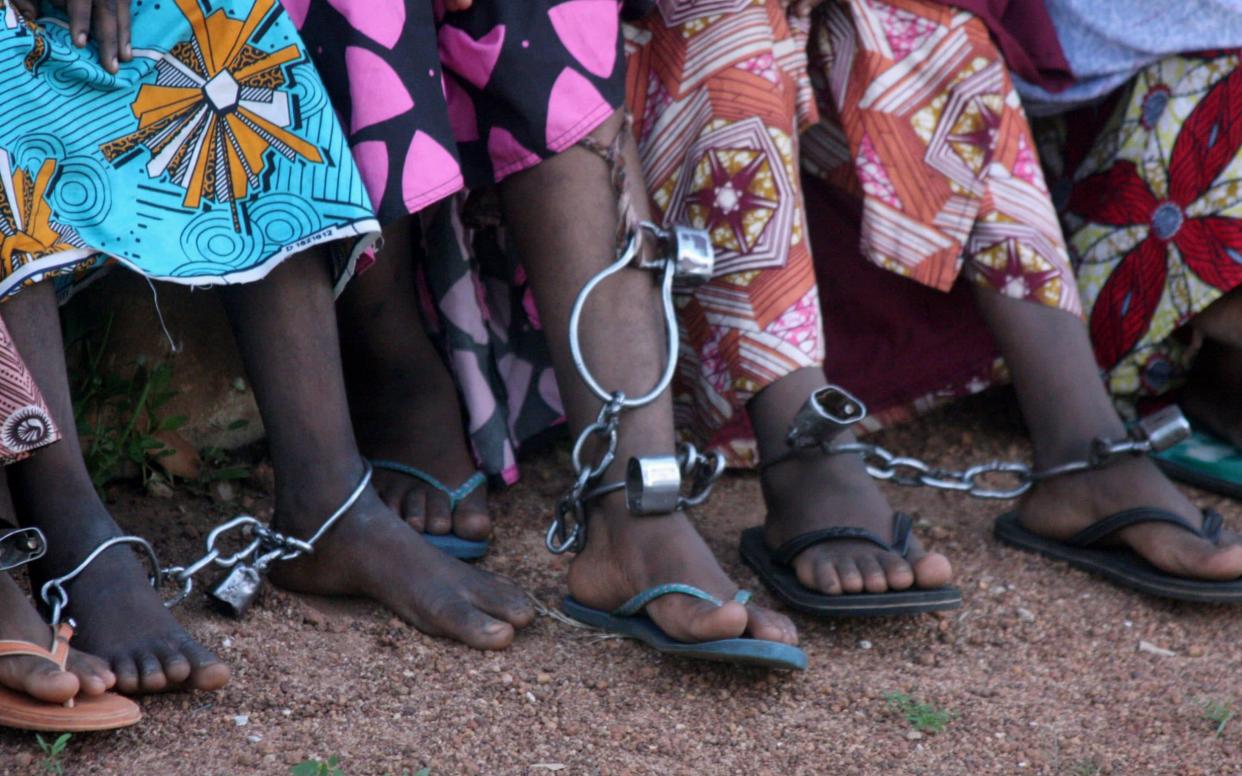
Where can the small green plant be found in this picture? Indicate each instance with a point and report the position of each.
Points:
(120, 417)
(1218, 713)
(1084, 768)
(52, 752)
(923, 717)
(313, 767)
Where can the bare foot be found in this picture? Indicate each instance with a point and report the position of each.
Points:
(805, 494)
(626, 555)
(418, 422)
(119, 617)
(371, 552)
(36, 677)
(1060, 507)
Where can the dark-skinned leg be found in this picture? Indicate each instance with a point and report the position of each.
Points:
(401, 397)
(563, 216)
(1066, 406)
(286, 330)
(120, 618)
(814, 492)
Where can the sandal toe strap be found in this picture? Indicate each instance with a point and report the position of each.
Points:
(1213, 524)
(636, 604)
(903, 524)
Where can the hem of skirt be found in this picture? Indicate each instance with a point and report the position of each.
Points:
(561, 143)
(366, 232)
(432, 195)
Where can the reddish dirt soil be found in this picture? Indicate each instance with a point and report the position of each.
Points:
(1041, 669)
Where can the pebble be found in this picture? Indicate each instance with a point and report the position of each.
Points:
(914, 735)
(241, 720)
(1026, 615)
(223, 492)
(24, 759)
(864, 644)
(543, 678)
(1196, 650)
(1152, 649)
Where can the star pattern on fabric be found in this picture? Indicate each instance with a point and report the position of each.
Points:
(735, 204)
(215, 109)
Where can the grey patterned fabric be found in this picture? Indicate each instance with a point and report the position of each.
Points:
(1107, 42)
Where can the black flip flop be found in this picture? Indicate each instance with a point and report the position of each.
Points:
(776, 572)
(1121, 565)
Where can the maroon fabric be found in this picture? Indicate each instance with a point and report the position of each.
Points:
(890, 340)
(1024, 31)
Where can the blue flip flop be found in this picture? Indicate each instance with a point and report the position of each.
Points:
(449, 544)
(628, 620)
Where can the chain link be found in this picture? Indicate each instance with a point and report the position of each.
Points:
(908, 471)
(266, 545)
(686, 257)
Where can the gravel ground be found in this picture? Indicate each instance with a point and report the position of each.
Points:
(1042, 671)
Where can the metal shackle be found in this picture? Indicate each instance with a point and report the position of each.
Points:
(827, 412)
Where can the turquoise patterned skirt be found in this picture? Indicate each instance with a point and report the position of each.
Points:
(208, 159)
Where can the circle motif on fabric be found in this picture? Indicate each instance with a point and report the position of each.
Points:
(1154, 104)
(27, 428)
(1167, 220)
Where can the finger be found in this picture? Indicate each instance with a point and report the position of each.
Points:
(79, 21)
(103, 23)
(123, 26)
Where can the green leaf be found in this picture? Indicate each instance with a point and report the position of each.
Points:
(231, 473)
(173, 422)
(238, 425)
(307, 768)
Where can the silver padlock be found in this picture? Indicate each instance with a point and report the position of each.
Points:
(652, 484)
(1164, 428)
(829, 411)
(236, 590)
(693, 256)
(19, 547)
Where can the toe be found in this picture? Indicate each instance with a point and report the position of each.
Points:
(471, 521)
(414, 509)
(691, 619)
(439, 515)
(850, 576)
(459, 619)
(897, 571)
(151, 678)
(127, 677)
(932, 570)
(46, 682)
(176, 666)
(770, 626)
(503, 600)
(207, 673)
(874, 580)
(821, 575)
(93, 674)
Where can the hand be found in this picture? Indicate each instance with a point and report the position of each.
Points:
(108, 21)
(29, 9)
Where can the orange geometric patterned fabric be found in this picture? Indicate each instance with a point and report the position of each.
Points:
(719, 94)
(922, 123)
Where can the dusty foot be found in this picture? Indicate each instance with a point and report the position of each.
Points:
(372, 553)
(625, 555)
(418, 423)
(120, 618)
(813, 492)
(1211, 394)
(1062, 506)
(34, 676)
